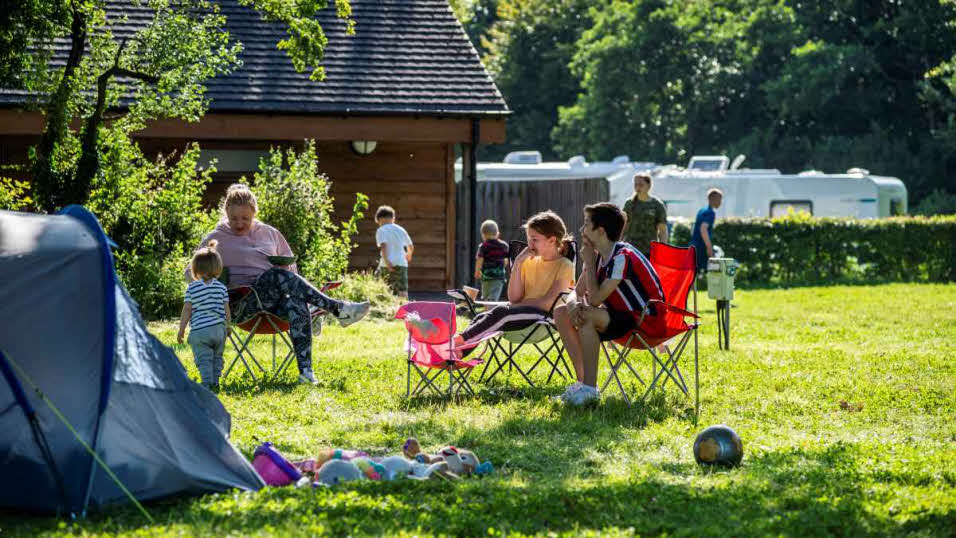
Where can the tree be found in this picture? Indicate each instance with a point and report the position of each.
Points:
(529, 50)
(156, 72)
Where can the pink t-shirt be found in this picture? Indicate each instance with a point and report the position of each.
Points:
(246, 255)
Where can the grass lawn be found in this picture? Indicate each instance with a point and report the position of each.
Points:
(845, 398)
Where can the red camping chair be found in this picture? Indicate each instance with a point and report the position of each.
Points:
(262, 322)
(431, 349)
(677, 268)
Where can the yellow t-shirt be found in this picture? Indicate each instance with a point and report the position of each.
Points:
(538, 275)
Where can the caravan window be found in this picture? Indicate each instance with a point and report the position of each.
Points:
(896, 207)
(779, 208)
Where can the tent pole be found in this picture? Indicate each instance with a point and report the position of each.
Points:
(79, 439)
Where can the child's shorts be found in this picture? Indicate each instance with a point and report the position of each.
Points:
(397, 278)
(621, 324)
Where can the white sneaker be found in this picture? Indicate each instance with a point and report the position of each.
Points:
(352, 312)
(584, 395)
(572, 388)
(307, 377)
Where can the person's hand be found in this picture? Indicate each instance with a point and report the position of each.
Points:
(576, 311)
(477, 275)
(408, 256)
(524, 255)
(586, 249)
(180, 336)
(710, 251)
(389, 267)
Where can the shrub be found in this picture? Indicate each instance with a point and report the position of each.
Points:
(153, 211)
(294, 198)
(366, 286)
(14, 195)
(802, 249)
(938, 202)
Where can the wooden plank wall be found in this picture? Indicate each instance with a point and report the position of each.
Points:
(414, 178)
(511, 203)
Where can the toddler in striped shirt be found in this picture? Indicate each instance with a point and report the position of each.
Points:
(206, 309)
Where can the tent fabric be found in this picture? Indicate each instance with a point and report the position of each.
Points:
(159, 432)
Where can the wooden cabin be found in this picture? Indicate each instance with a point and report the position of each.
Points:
(402, 96)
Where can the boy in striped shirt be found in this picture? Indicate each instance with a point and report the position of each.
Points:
(613, 293)
(206, 309)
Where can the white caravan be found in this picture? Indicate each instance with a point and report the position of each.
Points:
(528, 166)
(748, 192)
(770, 193)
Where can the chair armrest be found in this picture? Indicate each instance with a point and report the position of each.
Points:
(460, 295)
(330, 285)
(558, 298)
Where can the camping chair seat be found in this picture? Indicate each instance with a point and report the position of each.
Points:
(542, 335)
(430, 349)
(252, 318)
(676, 269)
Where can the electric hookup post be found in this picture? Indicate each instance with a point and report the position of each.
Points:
(720, 286)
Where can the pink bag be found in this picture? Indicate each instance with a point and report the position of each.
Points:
(274, 469)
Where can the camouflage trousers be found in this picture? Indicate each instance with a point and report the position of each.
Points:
(288, 296)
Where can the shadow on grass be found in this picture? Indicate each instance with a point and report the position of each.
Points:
(791, 492)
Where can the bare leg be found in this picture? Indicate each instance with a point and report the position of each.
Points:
(571, 339)
(595, 320)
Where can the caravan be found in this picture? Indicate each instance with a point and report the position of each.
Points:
(770, 193)
(749, 192)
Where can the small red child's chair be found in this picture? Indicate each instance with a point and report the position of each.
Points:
(677, 270)
(431, 349)
(263, 322)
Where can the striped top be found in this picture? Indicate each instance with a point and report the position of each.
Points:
(208, 302)
(639, 281)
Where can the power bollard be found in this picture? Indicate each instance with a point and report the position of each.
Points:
(720, 287)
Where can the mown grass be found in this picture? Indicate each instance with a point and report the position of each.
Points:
(845, 398)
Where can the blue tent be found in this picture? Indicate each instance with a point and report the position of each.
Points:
(80, 373)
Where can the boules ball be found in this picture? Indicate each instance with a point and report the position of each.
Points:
(718, 445)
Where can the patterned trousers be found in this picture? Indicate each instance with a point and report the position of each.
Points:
(288, 296)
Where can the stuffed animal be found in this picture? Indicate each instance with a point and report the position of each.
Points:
(335, 472)
(460, 462)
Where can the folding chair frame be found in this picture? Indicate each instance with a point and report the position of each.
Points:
(457, 379)
(669, 366)
(277, 327)
(507, 356)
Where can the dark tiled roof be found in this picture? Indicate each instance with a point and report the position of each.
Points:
(406, 57)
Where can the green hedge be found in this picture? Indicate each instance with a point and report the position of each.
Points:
(799, 249)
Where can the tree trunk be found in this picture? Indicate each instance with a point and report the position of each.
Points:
(52, 188)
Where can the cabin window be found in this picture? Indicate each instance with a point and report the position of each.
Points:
(896, 207)
(780, 208)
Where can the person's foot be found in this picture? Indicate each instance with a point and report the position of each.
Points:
(572, 389)
(306, 377)
(349, 313)
(585, 394)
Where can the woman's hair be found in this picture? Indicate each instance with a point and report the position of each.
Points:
(206, 262)
(238, 194)
(549, 224)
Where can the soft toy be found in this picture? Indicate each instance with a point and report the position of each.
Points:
(334, 472)
(460, 462)
(372, 470)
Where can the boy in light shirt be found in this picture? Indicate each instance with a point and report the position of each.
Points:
(396, 248)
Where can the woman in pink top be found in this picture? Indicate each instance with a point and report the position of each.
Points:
(245, 245)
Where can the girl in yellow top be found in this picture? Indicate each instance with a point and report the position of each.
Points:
(539, 275)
